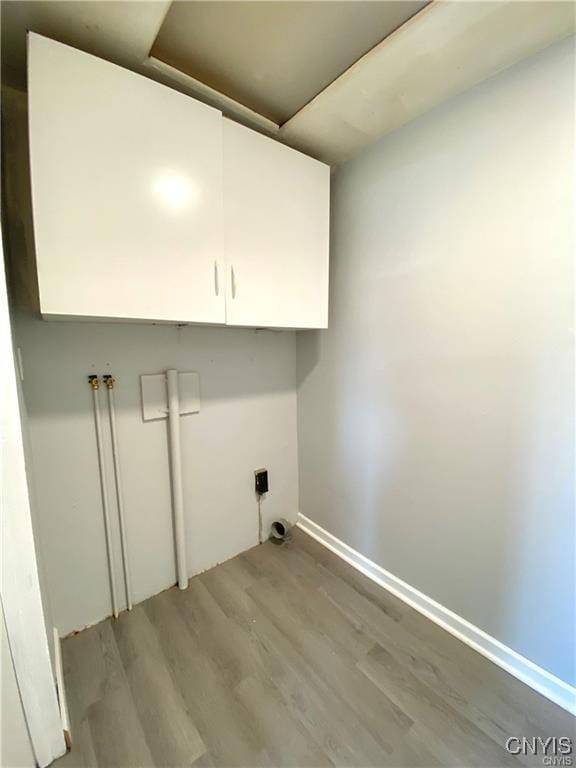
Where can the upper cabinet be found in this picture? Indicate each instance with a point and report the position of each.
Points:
(149, 206)
(276, 226)
(126, 192)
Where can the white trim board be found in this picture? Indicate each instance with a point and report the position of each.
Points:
(539, 679)
(19, 583)
(61, 690)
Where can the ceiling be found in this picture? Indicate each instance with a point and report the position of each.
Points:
(446, 49)
(122, 32)
(274, 57)
(329, 77)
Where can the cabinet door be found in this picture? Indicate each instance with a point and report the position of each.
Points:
(276, 226)
(127, 192)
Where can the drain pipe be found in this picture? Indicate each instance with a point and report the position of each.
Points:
(95, 384)
(110, 381)
(176, 475)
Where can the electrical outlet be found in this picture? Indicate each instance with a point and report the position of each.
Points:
(261, 481)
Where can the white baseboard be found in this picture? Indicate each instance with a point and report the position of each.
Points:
(61, 690)
(539, 679)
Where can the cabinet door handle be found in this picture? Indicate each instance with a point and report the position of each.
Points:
(233, 282)
(216, 285)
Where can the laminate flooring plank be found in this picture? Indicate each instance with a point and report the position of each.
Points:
(453, 738)
(287, 656)
(329, 563)
(214, 632)
(82, 754)
(302, 597)
(117, 735)
(206, 761)
(327, 717)
(469, 682)
(170, 732)
(92, 666)
(379, 716)
(228, 730)
(326, 652)
(517, 708)
(105, 700)
(74, 657)
(430, 663)
(287, 741)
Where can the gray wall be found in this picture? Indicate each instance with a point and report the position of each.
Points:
(435, 416)
(247, 421)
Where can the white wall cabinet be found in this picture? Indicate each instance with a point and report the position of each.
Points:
(126, 192)
(276, 227)
(149, 206)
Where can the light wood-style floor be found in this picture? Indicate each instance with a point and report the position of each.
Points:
(286, 656)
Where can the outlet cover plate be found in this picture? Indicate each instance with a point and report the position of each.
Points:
(155, 398)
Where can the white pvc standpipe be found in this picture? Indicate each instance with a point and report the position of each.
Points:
(119, 496)
(104, 490)
(176, 475)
